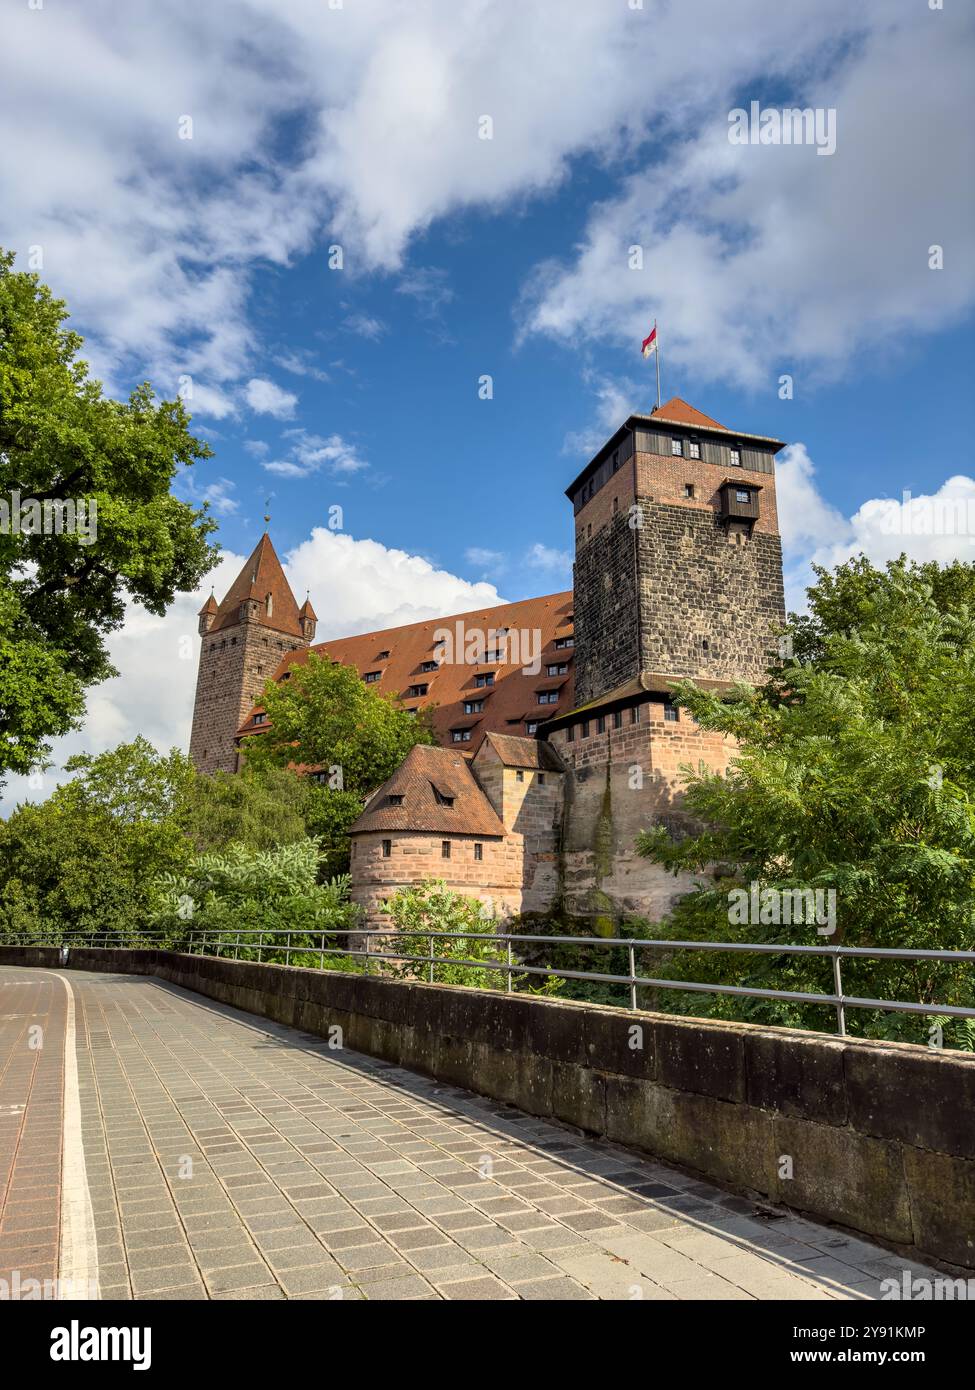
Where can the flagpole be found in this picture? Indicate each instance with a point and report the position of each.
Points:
(657, 356)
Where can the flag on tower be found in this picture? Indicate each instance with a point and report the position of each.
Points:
(650, 344)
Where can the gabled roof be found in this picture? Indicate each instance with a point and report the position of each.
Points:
(513, 695)
(521, 752)
(262, 575)
(681, 413)
(422, 773)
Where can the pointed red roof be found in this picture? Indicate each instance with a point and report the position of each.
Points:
(306, 611)
(209, 607)
(681, 413)
(262, 578)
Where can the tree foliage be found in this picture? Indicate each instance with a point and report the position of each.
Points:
(61, 593)
(854, 773)
(324, 717)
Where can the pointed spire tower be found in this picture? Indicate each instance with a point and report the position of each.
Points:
(244, 639)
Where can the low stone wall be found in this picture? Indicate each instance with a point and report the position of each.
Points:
(879, 1137)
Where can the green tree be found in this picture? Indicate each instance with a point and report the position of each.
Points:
(62, 440)
(259, 810)
(853, 774)
(260, 905)
(85, 859)
(325, 718)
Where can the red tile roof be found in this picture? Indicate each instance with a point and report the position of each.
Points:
(522, 752)
(683, 414)
(420, 776)
(261, 576)
(507, 704)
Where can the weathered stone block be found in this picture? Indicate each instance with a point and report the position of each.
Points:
(702, 1058)
(942, 1195)
(890, 1089)
(843, 1176)
(796, 1075)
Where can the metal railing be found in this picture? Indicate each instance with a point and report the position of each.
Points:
(204, 941)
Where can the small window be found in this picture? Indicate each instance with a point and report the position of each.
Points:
(671, 714)
(473, 706)
(635, 714)
(588, 535)
(540, 779)
(562, 642)
(616, 505)
(429, 666)
(601, 724)
(415, 691)
(693, 449)
(483, 680)
(548, 697)
(532, 726)
(519, 776)
(688, 489)
(585, 728)
(460, 735)
(742, 494)
(618, 719)
(371, 677)
(268, 604)
(444, 849)
(233, 641)
(677, 447)
(442, 798)
(260, 718)
(382, 656)
(395, 799)
(560, 668)
(570, 734)
(478, 851)
(734, 458)
(387, 848)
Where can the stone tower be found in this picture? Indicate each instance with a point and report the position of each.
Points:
(678, 568)
(244, 639)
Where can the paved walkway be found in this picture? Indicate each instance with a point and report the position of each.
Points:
(227, 1157)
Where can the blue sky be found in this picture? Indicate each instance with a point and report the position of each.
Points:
(178, 173)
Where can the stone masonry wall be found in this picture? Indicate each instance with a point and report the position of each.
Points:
(496, 880)
(235, 664)
(620, 782)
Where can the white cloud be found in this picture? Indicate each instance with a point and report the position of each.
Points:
(761, 259)
(937, 526)
(155, 239)
(359, 585)
(365, 326)
(301, 364)
(266, 398)
(545, 557)
(309, 453)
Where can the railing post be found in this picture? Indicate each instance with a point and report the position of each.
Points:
(632, 977)
(237, 947)
(321, 954)
(430, 954)
(508, 986)
(838, 991)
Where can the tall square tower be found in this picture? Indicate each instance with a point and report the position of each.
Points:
(678, 568)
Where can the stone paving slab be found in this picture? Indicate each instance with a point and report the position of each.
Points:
(228, 1157)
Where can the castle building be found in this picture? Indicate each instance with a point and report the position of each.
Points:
(559, 737)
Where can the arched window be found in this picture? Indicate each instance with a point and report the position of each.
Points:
(268, 604)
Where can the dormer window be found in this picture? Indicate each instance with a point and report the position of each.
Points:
(473, 706)
(548, 697)
(394, 799)
(487, 678)
(415, 692)
(260, 718)
(383, 656)
(371, 677)
(429, 666)
(460, 735)
(442, 798)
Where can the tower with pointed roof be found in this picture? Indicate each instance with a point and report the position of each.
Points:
(678, 562)
(243, 641)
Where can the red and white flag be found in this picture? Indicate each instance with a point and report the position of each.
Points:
(650, 344)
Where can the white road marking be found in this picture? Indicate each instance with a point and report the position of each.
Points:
(78, 1264)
